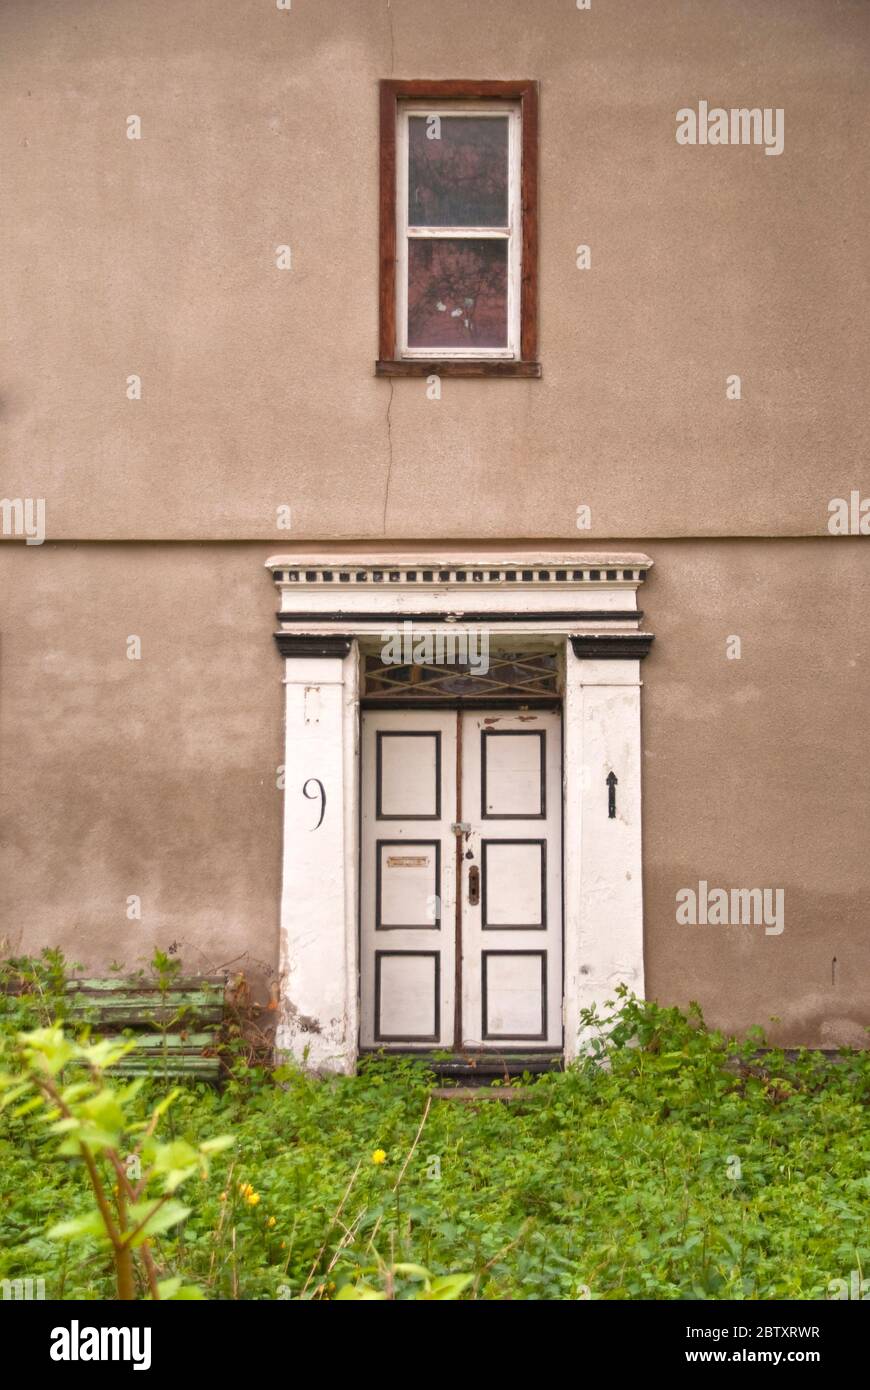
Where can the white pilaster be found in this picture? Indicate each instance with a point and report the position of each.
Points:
(318, 955)
(603, 867)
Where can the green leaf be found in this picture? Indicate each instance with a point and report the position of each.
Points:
(214, 1146)
(12, 1095)
(162, 1107)
(412, 1271)
(47, 1050)
(360, 1293)
(173, 1291)
(449, 1286)
(65, 1125)
(178, 1160)
(35, 1103)
(91, 1224)
(161, 1218)
(105, 1053)
(71, 1094)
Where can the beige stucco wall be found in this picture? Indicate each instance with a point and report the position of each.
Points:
(156, 257)
(259, 129)
(154, 777)
(158, 777)
(754, 777)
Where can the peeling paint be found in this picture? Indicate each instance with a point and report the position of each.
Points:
(303, 1022)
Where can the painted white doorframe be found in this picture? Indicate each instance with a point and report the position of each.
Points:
(585, 605)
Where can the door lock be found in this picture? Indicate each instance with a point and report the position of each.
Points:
(473, 885)
(461, 827)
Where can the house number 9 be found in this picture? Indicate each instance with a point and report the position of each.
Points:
(312, 796)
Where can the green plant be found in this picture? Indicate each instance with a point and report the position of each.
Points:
(32, 989)
(404, 1281)
(166, 970)
(89, 1119)
(670, 1163)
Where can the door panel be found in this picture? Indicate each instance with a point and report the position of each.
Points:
(512, 937)
(407, 879)
(499, 774)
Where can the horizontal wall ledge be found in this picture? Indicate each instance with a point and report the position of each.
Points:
(458, 368)
(350, 615)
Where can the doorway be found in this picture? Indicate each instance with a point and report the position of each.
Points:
(461, 880)
(566, 646)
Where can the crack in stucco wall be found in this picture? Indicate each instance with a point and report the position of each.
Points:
(390, 458)
(390, 402)
(392, 38)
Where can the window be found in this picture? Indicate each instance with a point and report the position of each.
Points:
(458, 291)
(528, 675)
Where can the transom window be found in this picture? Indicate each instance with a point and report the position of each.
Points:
(509, 676)
(458, 228)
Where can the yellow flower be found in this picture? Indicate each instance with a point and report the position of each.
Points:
(379, 1156)
(272, 1221)
(223, 1196)
(252, 1199)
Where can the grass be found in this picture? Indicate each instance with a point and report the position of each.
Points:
(671, 1165)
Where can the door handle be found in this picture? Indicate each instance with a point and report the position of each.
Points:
(474, 885)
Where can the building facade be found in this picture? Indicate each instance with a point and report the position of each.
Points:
(435, 510)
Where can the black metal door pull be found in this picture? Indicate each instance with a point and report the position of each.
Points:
(474, 885)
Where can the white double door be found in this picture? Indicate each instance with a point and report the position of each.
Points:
(461, 880)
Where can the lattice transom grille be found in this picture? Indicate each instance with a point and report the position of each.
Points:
(509, 676)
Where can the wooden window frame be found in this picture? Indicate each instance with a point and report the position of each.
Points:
(524, 95)
(509, 232)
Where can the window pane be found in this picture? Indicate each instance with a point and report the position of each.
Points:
(510, 674)
(457, 293)
(458, 171)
